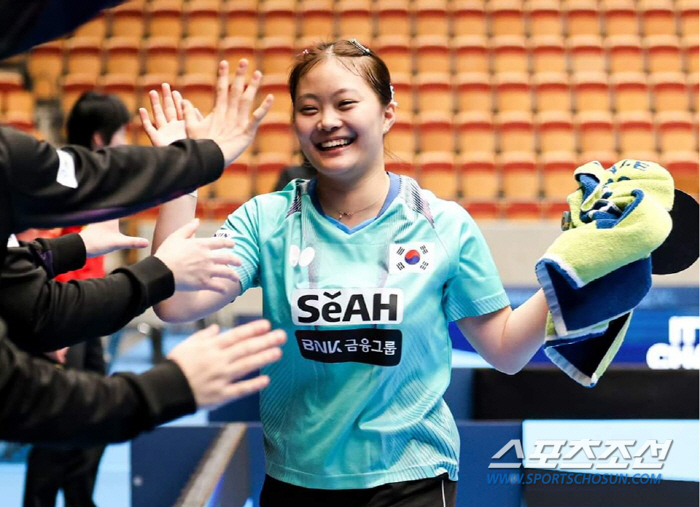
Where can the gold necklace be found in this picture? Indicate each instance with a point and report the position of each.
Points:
(349, 214)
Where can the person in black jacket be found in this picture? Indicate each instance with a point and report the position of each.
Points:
(44, 187)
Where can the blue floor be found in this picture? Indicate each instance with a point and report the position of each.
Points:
(112, 488)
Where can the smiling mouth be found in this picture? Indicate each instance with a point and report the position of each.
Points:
(333, 144)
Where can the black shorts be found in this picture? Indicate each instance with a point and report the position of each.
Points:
(436, 492)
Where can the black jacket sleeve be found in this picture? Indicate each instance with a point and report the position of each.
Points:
(44, 315)
(45, 404)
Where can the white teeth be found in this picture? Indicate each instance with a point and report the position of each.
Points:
(335, 143)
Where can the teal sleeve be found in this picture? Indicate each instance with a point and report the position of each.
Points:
(475, 288)
(243, 227)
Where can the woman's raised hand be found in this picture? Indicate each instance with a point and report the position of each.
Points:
(230, 124)
(168, 123)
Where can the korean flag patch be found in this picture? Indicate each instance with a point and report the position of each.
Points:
(415, 257)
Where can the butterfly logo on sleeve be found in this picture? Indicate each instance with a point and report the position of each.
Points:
(414, 257)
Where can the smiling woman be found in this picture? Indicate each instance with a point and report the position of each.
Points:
(366, 270)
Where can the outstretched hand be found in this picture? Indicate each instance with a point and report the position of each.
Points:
(168, 123)
(198, 263)
(213, 362)
(229, 124)
(105, 237)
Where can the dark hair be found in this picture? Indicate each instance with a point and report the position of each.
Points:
(95, 112)
(356, 58)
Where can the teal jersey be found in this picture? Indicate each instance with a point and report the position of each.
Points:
(356, 400)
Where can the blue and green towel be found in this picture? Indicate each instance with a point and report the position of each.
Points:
(599, 269)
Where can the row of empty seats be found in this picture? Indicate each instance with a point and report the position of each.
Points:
(478, 176)
(365, 19)
(464, 54)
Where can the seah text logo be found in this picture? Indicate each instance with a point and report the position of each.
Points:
(343, 307)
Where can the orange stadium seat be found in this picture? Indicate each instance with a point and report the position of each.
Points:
(693, 88)
(521, 179)
(512, 92)
(278, 18)
(483, 210)
(473, 92)
(123, 56)
(200, 56)
(430, 18)
(595, 132)
(586, 54)
(316, 20)
(468, 18)
(620, 17)
(478, 177)
(690, 54)
(96, 27)
(475, 132)
(663, 54)
(123, 86)
(555, 132)
(276, 55)
(471, 54)
(658, 17)
(625, 54)
(506, 17)
(45, 65)
(392, 17)
(547, 54)
(235, 184)
(234, 49)
(203, 18)
(241, 19)
(581, 17)
(670, 92)
(277, 86)
(402, 136)
(10, 81)
(591, 92)
(354, 19)
(543, 18)
(198, 89)
(508, 54)
(635, 132)
(126, 20)
(522, 210)
(630, 92)
(268, 167)
(552, 92)
(683, 166)
(84, 56)
(606, 158)
(403, 92)
(18, 101)
(74, 85)
(275, 136)
(434, 93)
(558, 174)
(161, 56)
(554, 209)
(688, 14)
(165, 18)
(437, 174)
(401, 163)
(676, 132)
(435, 132)
(432, 55)
(396, 53)
(516, 132)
